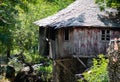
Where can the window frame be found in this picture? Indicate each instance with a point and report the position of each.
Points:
(105, 35)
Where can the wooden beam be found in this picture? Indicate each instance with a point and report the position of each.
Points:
(75, 56)
(64, 59)
(60, 63)
(80, 61)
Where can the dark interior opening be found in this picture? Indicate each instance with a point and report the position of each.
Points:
(44, 43)
(46, 49)
(66, 33)
(50, 33)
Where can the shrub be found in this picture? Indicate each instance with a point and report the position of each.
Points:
(98, 72)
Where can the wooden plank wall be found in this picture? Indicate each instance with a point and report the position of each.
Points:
(115, 33)
(52, 49)
(84, 42)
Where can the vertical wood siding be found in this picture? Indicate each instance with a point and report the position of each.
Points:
(52, 49)
(85, 42)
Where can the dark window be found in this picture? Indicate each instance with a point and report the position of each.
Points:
(66, 31)
(105, 35)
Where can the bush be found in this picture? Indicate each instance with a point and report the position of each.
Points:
(98, 72)
(33, 58)
(46, 71)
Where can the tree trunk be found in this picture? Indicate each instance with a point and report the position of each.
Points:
(114, 61)
(8, 54)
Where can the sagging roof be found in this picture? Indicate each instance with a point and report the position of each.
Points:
(79, 13)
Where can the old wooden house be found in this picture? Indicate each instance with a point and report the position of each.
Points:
(81, 30)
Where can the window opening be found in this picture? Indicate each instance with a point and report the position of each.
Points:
(105, 35)
(66, 34)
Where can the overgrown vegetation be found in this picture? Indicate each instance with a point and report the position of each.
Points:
(108, 3)
(42, 68)
(19, 34)
(98, 72)
(17, 31)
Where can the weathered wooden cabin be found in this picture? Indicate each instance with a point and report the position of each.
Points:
(80, 30)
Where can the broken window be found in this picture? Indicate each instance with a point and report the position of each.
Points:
(105, 35)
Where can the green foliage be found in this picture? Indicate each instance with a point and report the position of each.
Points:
(46, 71)
(7, 22)
(108, 3)
(98, 72)
(33, 58)
(17, 31)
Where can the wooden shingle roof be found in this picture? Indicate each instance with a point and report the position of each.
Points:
(79, 13)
